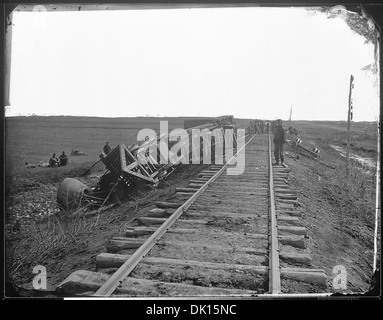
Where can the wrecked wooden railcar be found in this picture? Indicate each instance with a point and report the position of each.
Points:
(127, 168)
(137, 165)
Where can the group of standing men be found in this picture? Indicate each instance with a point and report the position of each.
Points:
(259, 126)
(263, 126)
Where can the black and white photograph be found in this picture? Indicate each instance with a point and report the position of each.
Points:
(197, 151)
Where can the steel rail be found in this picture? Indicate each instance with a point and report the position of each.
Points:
(274, 268)
(118, 277)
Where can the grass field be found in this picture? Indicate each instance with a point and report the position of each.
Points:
(34, 139)
(363, 135)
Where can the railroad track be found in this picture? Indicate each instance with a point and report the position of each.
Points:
(223, 235)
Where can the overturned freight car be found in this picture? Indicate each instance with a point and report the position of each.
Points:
(130, 167)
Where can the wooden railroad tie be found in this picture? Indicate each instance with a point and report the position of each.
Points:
(318, 276)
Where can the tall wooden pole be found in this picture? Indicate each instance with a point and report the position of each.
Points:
(348, 126)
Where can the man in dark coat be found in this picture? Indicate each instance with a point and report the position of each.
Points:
(267, 126)
(63, 159)
(279, 141)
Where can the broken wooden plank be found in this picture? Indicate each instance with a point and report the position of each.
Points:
(307, 150)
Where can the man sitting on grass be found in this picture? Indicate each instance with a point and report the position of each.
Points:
(53, 161)
(63, 159)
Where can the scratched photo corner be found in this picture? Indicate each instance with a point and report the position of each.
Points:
(192, 152)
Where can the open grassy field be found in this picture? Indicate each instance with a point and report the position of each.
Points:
(34, 139)
(363, 135)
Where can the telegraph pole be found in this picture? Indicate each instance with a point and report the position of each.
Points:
(349, 118)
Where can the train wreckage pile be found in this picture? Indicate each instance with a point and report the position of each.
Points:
(136, 165)
(141, 165)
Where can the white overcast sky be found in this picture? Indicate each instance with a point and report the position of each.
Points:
(249, 62)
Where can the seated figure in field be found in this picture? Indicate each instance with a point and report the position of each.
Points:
(63, 159)
(53, 161)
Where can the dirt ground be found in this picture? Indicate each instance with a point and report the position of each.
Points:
(76, 242)
(338, 212)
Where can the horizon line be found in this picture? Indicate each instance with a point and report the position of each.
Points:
(164, 116)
